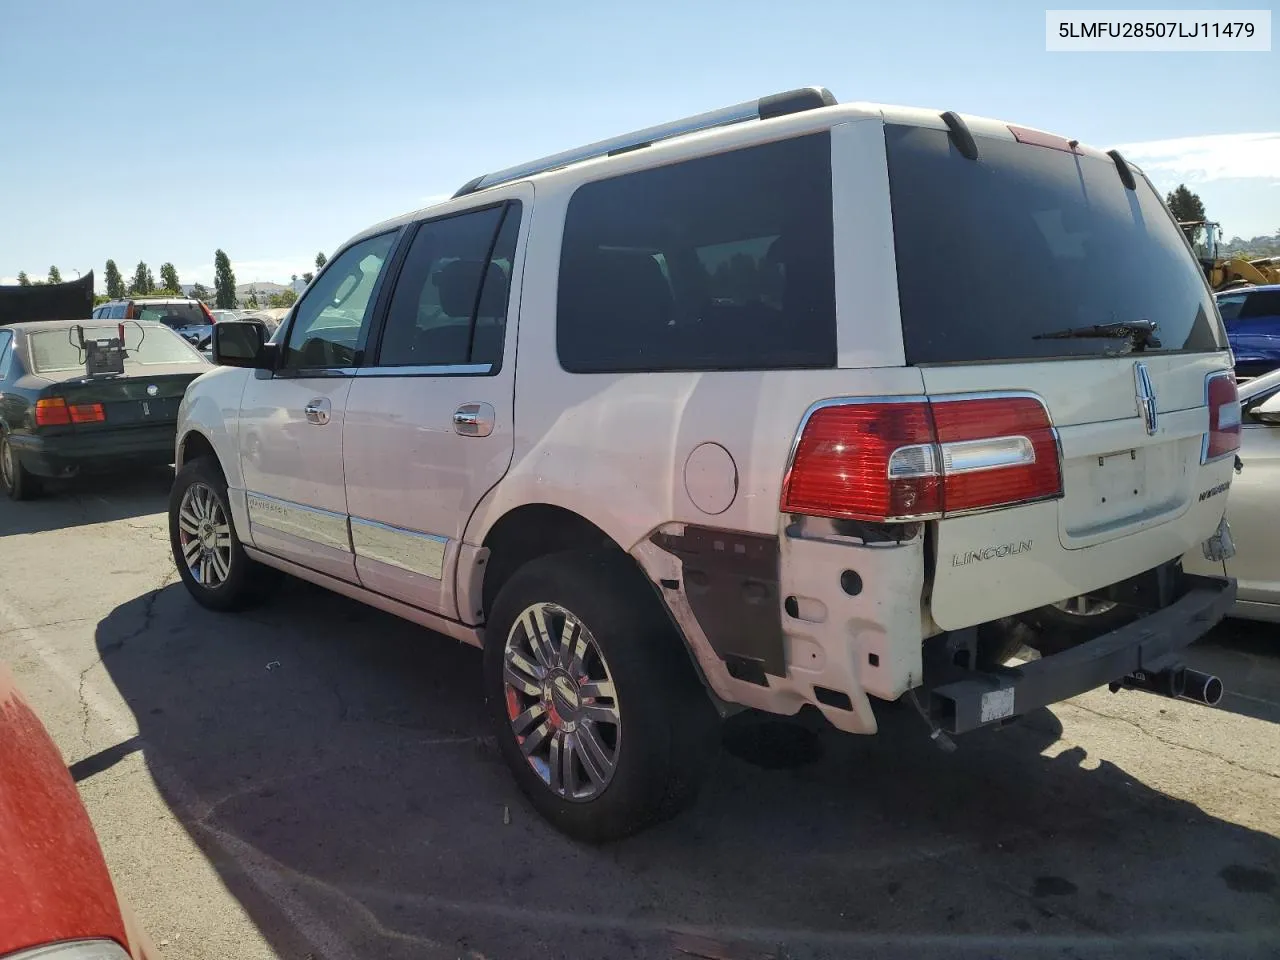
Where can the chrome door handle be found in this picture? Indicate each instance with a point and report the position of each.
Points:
(474, 420)
(317, 411)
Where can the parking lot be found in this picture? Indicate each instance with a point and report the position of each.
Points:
(314, 779)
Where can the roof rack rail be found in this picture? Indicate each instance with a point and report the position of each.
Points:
(765, 108)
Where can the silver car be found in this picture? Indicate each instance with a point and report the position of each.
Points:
(1253, 507)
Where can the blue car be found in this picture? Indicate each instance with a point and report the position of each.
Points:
(1252, 317)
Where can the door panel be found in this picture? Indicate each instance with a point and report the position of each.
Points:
(429, 427)
(292, 471)
(291, 420)
(1254, 514)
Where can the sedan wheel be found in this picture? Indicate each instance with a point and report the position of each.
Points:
(561, 702)
(15, 479)
(205, 536)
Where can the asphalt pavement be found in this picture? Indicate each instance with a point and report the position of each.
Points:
(315, 779)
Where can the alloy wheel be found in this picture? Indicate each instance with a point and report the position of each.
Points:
(204, 536)
(8, 469)
(561, 701)
(1085, 606)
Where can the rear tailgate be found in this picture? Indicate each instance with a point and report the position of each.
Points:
(1039, 237)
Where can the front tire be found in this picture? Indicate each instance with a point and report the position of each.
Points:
(598, 712)
(18, 482)
(210, 559)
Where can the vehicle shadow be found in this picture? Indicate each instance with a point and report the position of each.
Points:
(1246, 655)
(349, 750)
(87, 499)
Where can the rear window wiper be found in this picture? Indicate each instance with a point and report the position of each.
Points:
(1142, 333)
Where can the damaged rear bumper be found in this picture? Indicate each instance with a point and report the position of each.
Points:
(1147, 645)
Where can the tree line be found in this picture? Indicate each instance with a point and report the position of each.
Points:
(1187, 207)
(143, 284)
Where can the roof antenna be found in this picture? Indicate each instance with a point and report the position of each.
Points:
(1122, 165)
(960, 135)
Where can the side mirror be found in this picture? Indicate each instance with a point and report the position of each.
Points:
(242, 343)
(1268, 411)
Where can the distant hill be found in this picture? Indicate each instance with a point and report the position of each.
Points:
(261, 286)
(1261, 246)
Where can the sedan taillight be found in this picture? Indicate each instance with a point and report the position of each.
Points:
(52, 412)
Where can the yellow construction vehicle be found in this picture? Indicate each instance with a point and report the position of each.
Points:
(1225, 272)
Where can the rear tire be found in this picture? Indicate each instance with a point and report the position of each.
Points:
(1062, 626)
(210, 559)
(18, 482)
(615, 694)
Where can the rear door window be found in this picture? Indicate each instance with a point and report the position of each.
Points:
(717, 263)
(994, 254)
(449, 306)
(1261, 304)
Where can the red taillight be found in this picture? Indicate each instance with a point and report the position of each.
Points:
(842, 464)
(919, 459)
(1223, 438)
(87, 413)
(996, 451)
(52, 412)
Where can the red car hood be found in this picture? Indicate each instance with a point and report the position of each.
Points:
(54, 883)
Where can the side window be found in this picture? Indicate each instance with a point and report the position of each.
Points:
(450, 302)
(117, 312)
(718, 263)
(1230, 307)
(1261, 303)
(332, 320)
(6, 353)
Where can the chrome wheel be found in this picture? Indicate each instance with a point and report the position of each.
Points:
(204, 536)
(1085, 606)
(8, 468)
(561, 701)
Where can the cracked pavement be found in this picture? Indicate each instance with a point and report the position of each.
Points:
(315, 779)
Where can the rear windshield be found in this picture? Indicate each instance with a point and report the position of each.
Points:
(54, 351)
(171, 314)
(1029, 240)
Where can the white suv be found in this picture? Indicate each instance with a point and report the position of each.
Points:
(788, 405)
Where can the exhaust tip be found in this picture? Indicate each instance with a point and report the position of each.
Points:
(1202, 687)
(1212, 691)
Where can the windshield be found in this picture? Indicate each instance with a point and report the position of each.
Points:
(1029, 240)
(172, 314)
(53, 351)
(1202, 239)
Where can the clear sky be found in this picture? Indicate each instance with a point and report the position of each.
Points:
(160, 131)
